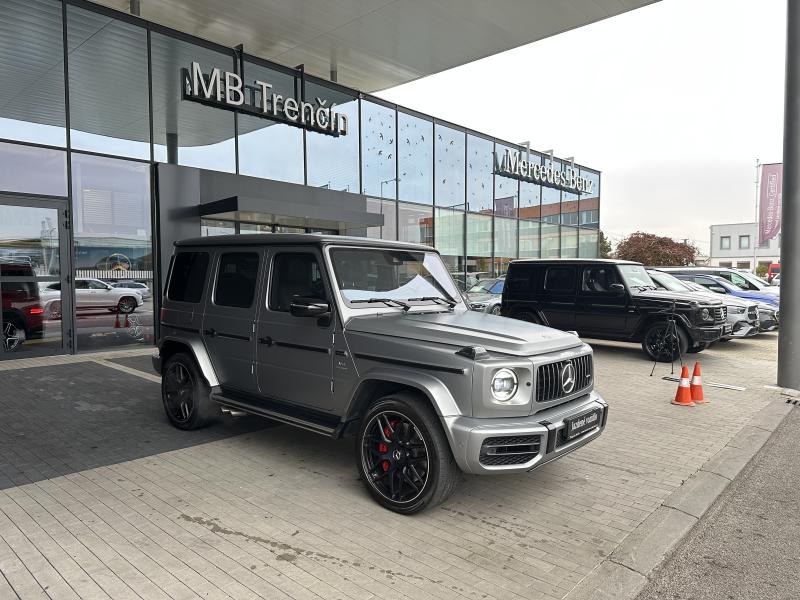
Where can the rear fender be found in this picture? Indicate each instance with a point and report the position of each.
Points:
(169, 345)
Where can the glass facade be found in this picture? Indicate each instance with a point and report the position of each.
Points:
(88, 129)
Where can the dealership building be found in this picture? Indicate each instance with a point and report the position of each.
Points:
(126, 125)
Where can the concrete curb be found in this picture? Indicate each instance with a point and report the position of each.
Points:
(624, 573)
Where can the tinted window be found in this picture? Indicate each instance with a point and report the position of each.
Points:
(97, 285)
(295, 275)
(236, 279)
(598, 279)
(521, 278)
(81, 284)
(560, 279)
(188, 276)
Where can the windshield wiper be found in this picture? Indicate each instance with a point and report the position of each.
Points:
(387, 301)
(436, 299)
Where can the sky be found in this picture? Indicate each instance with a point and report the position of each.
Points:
(673, 102)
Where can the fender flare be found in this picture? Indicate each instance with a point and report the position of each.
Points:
(198, 350)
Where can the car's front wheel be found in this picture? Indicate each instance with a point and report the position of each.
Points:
(185, 393)
(403, 456)
(495, 310)
(665, 342)
(126, 305)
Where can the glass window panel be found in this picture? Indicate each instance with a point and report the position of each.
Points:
(188, 277)
(450, 242)
(378, 150)
(388, 208)
(450, 146)
(590, 202)
(479, 246)
(506, 189)
(113, 243)
(480, 163)
(530, 199)
(550, 240)
(569, 242)
(236, 279)
(32, 72)
(505, 244)
(415, 155)
(551, 198)
(529, 239)
(266, 148)
(32, 170)
(415, 223)
(588, 243)
(108, 100)
(333, 161)
(285, 284)
(186, 132)
(209, 227)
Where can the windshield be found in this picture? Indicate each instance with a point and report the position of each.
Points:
(374, 275)
(754, 279)
(668, 282)
(636, 278)
(488, 286)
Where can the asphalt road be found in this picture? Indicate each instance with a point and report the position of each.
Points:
(747, 546)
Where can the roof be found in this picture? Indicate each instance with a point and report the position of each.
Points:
(296, 239)
(611, 261)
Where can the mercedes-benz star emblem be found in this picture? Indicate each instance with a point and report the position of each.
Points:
(397, 455)
(568, 378)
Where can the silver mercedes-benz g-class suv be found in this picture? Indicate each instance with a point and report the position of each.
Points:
(349, 336)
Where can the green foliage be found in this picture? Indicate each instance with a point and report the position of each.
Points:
(657, 251)
(761, 271)
(603, 245)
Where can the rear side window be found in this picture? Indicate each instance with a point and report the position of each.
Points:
(236, 279)
(560, 279)
(188, 276)
(521, 279)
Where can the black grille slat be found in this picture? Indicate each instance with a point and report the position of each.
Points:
(548, 378)
(510, 450)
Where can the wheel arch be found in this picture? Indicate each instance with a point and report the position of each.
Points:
(169, 346)
(680, 321)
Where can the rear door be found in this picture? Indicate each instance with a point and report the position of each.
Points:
(558, 295)
(230, 315)
(599, 309)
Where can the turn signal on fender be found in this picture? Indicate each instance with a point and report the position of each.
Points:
(684, 395)
(697, 385)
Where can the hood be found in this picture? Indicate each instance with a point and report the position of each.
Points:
(726, 299)
(773, 299)
(468, 328)
(679, 297)
(483, 298)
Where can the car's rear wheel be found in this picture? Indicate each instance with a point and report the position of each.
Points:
(126, 305)
(403, 456)
(185, 393)
(13, 333)
(665, 342)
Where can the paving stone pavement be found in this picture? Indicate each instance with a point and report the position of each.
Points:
(102, 499)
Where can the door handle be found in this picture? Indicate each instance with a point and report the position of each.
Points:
(341, 353)
(212, 332)
(267, 341)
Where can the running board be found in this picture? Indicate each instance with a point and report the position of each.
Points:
(261, 411)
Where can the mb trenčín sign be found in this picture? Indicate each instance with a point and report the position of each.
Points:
(223, 89)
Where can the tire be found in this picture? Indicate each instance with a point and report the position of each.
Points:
(529, 317)
(699, 347)
(660, 346)
(403, 456)
(495, 310)
(126, 305)
(185, 393)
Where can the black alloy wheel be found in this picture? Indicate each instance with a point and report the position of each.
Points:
(126, 305)
(185, 393)
(665, 342)
(13, 335)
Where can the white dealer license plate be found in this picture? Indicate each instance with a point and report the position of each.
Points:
(582, 423)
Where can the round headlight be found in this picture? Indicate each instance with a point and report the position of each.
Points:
(705, 315)
(504, 384)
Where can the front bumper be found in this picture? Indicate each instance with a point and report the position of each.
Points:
(707, 334)
(744, 328)
(468, 434)
(768, 321)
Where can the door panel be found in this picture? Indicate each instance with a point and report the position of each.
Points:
(601, 311)
(34, 288)
(557, 298)
(293, 356)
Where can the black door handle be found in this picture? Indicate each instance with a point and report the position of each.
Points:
(265, 340)
(212, 332)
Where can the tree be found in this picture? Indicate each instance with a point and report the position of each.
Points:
(655, 250)
(603, 245)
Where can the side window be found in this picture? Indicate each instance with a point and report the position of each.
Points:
(598, 279)
(295, 275)
(97, 285)
(738, 280)
(560, 279)
(81, 284)
(522, 279)
(188, 276)
(236, 279)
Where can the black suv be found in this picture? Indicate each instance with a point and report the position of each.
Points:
(613, 300)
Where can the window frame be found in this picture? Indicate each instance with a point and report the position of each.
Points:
(722, 240)
(744, 237)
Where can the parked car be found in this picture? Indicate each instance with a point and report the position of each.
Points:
(485, 296)
(614, 300)
(21, 304)
(768, 304)
(92, 294)
(143, 290)
(743, 279)
(773, 271)
(742, 314)
(369, 338)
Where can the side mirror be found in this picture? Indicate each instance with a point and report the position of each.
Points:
(309, 307)
(617, 288)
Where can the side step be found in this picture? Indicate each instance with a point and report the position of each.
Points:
(276, 412)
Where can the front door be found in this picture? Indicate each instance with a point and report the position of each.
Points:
(293, 358)
(34, 278)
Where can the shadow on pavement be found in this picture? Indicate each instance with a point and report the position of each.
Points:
(66, 418)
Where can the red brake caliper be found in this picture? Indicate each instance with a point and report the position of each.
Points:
(382, 447)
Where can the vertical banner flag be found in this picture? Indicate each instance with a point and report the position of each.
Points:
(769, 221)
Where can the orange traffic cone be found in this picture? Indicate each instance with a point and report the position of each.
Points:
(127, 324)
(684, 395)
(116, 322)
(697, 385)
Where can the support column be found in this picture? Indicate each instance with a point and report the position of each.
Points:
(789, 341)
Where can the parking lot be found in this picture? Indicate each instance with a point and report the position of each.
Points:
(101, 498)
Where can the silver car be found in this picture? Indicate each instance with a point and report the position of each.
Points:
(486, 295)
(366, 338)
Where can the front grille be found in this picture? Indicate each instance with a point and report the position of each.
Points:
(549, 378)
(509, 450)
(720, 313)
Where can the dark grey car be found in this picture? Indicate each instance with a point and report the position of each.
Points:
(348, 336)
